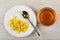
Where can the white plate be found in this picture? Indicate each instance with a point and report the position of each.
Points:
(17, 11)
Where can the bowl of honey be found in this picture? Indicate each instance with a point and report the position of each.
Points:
(46, 16)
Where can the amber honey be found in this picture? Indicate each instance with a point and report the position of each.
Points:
(46, 16)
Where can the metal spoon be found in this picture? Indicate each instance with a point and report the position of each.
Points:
(26, 16)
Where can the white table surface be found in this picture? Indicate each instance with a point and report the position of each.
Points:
(47, 33)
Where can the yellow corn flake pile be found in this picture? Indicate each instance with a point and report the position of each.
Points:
(18, 25)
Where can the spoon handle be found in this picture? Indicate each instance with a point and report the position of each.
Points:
(34, 28)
